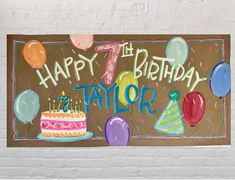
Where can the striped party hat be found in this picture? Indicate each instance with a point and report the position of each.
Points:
(170, 121)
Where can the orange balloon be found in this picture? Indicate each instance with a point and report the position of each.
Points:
(34, 54)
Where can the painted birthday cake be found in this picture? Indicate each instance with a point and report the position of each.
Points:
(63, 123)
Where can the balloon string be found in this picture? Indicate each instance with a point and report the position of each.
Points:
(195, 130)
(132, 123)
(29, 126)
(223, 111)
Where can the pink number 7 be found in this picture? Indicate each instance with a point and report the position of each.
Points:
(114, 51)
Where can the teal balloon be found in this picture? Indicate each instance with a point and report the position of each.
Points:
(177, 50)
(26, 106)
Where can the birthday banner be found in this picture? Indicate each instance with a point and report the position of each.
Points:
(118, 90)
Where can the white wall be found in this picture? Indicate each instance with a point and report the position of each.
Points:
(109, 16)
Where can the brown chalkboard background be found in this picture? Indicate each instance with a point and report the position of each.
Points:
(216, 120)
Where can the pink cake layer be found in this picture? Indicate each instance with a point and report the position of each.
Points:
(62, 125)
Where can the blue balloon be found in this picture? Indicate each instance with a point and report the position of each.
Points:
(220, 79)
(26, 106)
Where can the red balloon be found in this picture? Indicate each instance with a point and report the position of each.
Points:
(193, 107)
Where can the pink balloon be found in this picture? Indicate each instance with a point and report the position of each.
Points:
(82, 41)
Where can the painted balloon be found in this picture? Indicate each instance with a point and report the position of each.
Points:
(82, 41)
(193, 107)
(124, 79)
(220, 79)
(117, 131)
(34, 54)
(177, 50)
(26, 106)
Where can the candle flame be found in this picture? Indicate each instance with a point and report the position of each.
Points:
(62, 93)
(71, 100)
(76, 102)
(49, 99)
(53, 100)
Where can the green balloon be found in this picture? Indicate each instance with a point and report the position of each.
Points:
(123, 80)
(177, 49)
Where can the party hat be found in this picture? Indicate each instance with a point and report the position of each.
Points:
(170, 121)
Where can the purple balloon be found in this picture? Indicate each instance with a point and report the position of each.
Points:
(117, 131)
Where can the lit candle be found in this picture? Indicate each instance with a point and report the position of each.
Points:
(75, 107)
(58, 109)
(79, 106)
(71, 105)
(65, 99)
(49, 104)
(54, 106)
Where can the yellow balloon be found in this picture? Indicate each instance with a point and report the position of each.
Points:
(123, 80)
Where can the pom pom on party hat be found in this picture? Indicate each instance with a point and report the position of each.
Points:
(170, 121)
